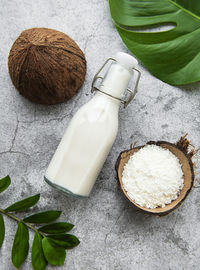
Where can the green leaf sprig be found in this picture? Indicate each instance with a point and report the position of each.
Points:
(50, 240)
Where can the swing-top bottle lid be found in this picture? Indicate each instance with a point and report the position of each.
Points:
(129, 63)
(126, 60)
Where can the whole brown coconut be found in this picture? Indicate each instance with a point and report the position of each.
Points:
(46, 66)
(180, 150)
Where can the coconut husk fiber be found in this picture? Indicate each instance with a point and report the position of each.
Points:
(180, 150)
(46, 66)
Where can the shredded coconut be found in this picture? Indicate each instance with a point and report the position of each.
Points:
(153, 177)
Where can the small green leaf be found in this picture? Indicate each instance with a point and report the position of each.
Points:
(54, 254)
(37, 255)
(20, 245)
(24, 204)
(43, 217)
(2, 230)
(65, 240)
(55, 228)
(4, 183)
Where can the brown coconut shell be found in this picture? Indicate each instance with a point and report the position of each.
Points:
(46, 66)
(180, 150)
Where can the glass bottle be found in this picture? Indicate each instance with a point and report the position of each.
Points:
(91, 133)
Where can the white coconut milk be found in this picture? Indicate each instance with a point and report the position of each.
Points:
(89, 136)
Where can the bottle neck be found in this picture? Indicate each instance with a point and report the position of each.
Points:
(116, 80)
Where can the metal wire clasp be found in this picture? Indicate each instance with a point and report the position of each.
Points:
(132, 93)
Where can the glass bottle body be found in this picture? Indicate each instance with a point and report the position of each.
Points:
(85, 146)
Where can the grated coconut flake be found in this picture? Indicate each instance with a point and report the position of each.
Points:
(153, 177)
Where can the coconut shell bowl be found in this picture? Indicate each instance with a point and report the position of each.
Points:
(180, 150)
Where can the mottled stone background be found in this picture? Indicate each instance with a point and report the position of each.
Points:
(113, 236)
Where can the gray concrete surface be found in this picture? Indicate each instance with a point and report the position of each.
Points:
(113, 236)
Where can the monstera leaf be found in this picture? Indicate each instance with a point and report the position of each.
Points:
(174, 55)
